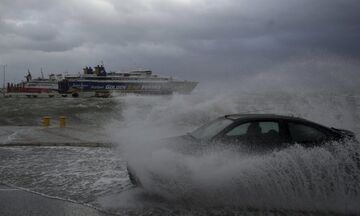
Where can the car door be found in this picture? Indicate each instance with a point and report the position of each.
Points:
(255, 134)
(306, 134)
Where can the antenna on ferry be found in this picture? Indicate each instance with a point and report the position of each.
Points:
(42, 74)
(28, 76)
(4, 79)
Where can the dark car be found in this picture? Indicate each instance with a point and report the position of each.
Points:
(257, 132)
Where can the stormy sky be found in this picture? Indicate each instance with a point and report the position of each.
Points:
(190, 39)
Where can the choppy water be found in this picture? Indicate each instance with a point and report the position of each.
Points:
(28, 111)
(220, 182)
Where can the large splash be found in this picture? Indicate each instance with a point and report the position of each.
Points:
(317, 179)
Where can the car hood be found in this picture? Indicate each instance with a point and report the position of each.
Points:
(185, 144)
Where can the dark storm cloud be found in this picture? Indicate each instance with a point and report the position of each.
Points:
(189, 38)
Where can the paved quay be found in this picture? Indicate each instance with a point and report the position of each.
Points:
(16, 202)
(53, 136)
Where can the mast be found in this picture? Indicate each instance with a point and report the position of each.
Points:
(4, 79)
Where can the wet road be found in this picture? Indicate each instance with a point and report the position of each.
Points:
(18, 202)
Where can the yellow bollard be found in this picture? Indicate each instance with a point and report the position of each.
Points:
(46, 121)
(62, 121)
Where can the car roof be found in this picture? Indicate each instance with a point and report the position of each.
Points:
(251, 116)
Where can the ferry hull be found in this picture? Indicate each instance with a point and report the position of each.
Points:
(31, 95)
(113, 87)
(29, 92)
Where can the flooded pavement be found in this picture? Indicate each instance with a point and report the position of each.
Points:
(77, 174)
(17, 202)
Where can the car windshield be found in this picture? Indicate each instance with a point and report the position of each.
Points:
(211, 129)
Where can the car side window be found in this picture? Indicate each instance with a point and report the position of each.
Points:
(255, 128)
(267, 127)
(239, 130)
(302, 133)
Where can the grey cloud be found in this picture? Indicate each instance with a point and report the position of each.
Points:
(33, 31)
(203, 39)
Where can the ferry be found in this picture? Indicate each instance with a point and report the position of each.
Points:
(99, 83)
(38, 87)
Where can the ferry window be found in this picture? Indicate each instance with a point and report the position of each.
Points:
(303, 133)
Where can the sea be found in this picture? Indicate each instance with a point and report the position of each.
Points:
(292, 181)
